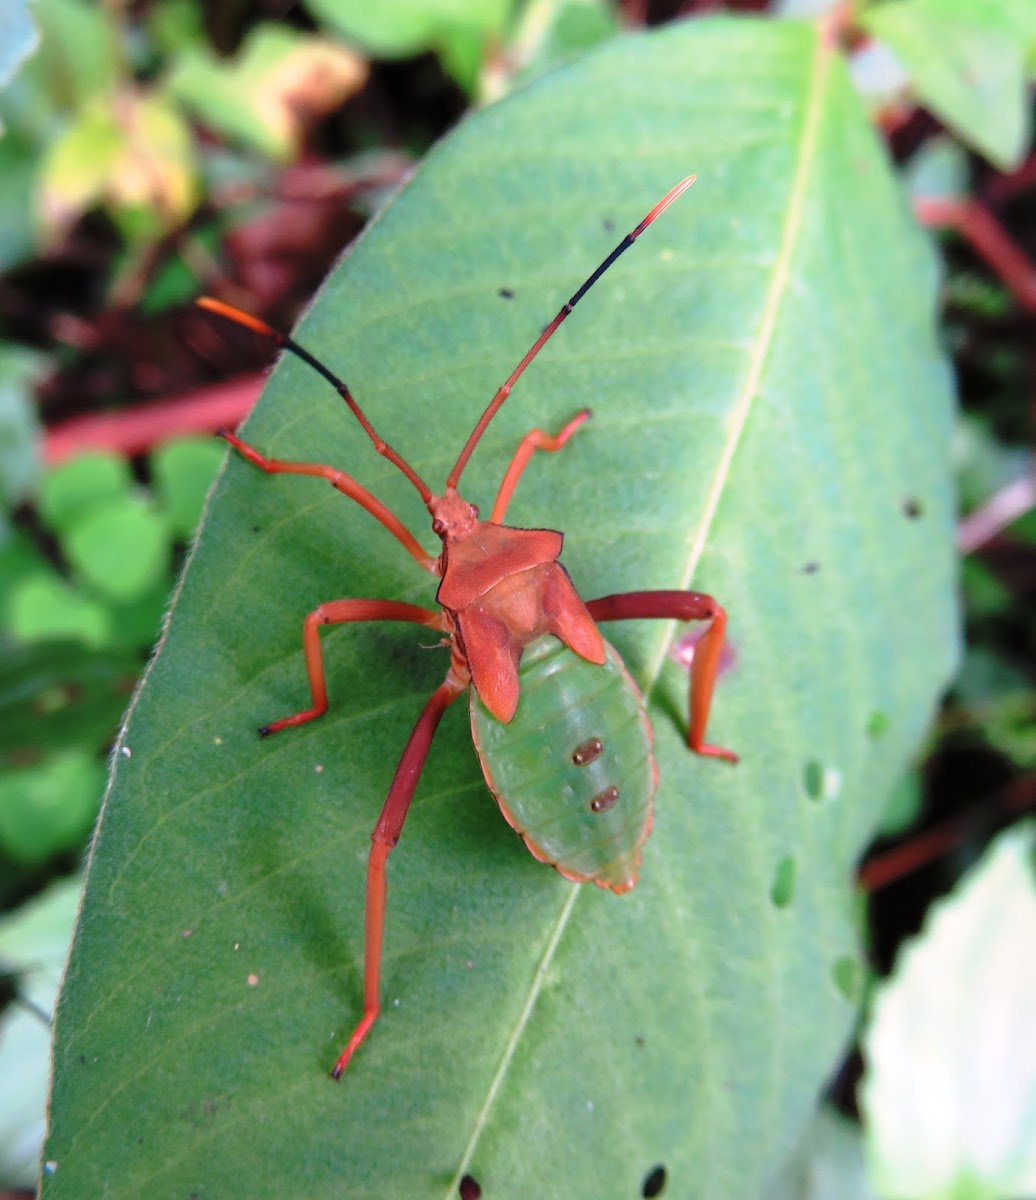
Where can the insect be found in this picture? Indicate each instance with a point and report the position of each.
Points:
(528, 650)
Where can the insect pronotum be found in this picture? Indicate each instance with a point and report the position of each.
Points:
(528, 649)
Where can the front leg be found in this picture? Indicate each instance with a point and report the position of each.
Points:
(338, 612)
(680, 606)
(534, 440)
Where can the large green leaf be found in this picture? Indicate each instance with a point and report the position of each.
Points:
(772, 420)
(970, 62)
(969, 1043)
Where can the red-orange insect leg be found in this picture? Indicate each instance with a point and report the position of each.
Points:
(346, 485)
(385, 836)
(534, 440)
(681, 606)
(338, 612)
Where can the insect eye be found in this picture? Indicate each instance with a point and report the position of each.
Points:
(438, 527)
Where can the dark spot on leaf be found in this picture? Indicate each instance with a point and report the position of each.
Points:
(654, 1182)
(846, 976)
(639, 1041)
(505, 293)
(813, 778)
(811, 568)
(912, 509)
(877, 724)
(587, 751)
(469, 1189)
(609, 225)
(257, 529)
(782, 891)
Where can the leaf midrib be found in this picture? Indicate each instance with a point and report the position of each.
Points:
(816, 77)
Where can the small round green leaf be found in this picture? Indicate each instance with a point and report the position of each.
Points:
(42, 607)
(71, 490)
(183, 473)
(49, 807)
(120, 548)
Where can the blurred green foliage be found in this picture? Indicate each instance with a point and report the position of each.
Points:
(84, 589)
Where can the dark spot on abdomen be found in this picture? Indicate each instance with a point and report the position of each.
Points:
(586, 752)
(605, 800)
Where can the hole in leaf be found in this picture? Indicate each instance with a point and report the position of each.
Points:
(783, 888)
(877, 724)
(813, 778)
(654, 1182)
(846, 976)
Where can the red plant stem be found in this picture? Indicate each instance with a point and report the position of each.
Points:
(988, 238)
(885, 868)
(137, 430)
(1002, 188)
(1000, 510)
(888, 866)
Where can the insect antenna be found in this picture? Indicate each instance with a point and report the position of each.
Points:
(498, 400)
(239, 317)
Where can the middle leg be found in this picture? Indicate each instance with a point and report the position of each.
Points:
(338, 612)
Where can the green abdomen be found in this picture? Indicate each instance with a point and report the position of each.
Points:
(573, 772)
